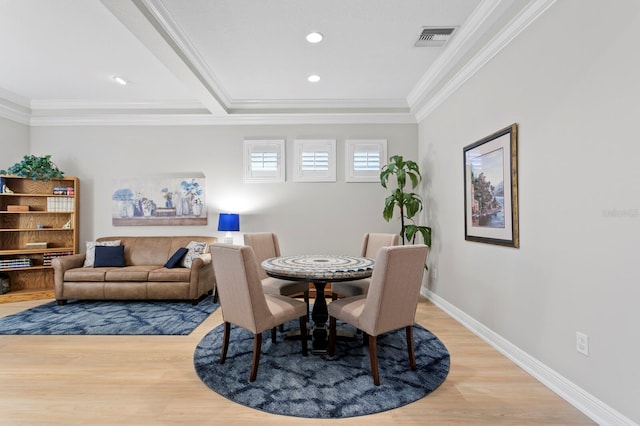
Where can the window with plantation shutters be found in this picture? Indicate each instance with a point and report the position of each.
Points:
(364, 159)
(264, 161)
(315, 160)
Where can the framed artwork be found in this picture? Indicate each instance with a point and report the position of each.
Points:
(491, 189)
(159, 200)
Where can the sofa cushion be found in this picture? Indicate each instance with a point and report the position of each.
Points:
(196, 248)
(85, 274)
(170, 275)
(137, 273)
(109, 256)
(91, 250)
(176, 259)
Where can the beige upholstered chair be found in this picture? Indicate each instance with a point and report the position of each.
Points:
(265, 246)
(390, 303)
(244, 304)
(371, 243)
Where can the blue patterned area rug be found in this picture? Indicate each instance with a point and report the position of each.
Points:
(99, 317)
(319, 386)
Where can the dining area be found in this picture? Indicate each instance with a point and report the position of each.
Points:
(260, 292)
(286, 329)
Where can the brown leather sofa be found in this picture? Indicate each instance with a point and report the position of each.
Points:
(143, 276)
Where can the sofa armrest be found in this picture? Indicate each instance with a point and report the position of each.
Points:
(199, 262)
(202, 275)
(61, 265)
(206, 259)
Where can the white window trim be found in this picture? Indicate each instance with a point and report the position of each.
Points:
(351, 147)
(314, 145)
(253, 146)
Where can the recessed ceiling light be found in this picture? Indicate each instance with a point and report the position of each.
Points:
(313, 78)
(120, 80)
(314, 37)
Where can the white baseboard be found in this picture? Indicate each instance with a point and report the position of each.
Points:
(592, 407)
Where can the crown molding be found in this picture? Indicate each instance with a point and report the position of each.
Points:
(139, 18)
(65, 104)
(186, 50)
(213, 120)
(11, 112)
(52, 112)
(397, 105)
(518, 24)
(455, 48)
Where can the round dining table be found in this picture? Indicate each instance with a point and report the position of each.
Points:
(319, 270)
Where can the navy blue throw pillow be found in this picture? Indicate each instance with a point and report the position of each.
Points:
(176, 258)
(109, 256)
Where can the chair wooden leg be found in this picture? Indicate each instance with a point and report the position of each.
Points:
(215, 294)
(331, 345)
(410, 348)
(303, 334)
(273, 335)
(257, 344)
(225, 342)
(333, 332)
(373, 358)
(306, 300)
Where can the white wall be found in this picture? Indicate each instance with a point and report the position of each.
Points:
(14, 142)
(571, 82)
(308, 217)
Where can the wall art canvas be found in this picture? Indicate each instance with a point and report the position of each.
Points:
(163, 200)
(491, 189)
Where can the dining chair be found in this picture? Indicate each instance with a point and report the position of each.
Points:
(245, 305)
(371, 243)
(390, 303)
(265, 246)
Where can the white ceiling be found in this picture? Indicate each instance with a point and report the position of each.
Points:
(242, 61)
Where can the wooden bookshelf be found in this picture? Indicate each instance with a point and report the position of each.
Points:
(45, 216)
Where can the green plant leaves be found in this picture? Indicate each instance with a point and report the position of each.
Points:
(409, 203)
(412, 230)
(36, 168)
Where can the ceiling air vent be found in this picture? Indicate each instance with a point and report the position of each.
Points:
(434, 36)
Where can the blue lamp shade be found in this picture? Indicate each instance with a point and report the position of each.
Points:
(229, 222)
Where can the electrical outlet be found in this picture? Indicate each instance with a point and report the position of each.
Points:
(582, 343)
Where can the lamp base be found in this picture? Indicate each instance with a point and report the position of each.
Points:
(228, 238)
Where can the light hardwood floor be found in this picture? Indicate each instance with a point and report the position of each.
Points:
(150, 380)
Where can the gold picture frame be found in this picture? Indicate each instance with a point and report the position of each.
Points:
(491, 189)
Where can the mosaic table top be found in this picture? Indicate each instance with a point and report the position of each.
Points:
(320, 267)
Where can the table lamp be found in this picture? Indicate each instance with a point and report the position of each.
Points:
(228, 222)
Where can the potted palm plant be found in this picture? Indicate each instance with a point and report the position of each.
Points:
(409, 203)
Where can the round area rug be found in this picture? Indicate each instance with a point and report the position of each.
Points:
(320, 386)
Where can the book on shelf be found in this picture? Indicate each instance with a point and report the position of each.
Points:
(60, 204)
(36, 245)
(47, 257)
(63, 190)
(22, 262)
